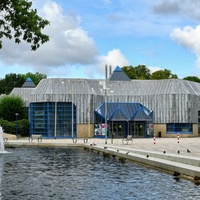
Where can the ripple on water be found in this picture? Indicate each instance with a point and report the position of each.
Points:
(72, 173)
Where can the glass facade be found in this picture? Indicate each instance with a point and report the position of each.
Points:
(179, 128)
(53, 119)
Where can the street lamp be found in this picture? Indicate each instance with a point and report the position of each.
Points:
(17, 114)
(106, 89)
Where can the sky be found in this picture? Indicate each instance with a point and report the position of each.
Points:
(86, 35)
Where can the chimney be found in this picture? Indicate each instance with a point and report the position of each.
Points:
(106, 72)
(110, 70)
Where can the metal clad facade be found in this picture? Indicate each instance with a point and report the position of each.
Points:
(172, 101)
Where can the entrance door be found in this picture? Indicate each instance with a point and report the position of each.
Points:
(118, 129)
(137, 129)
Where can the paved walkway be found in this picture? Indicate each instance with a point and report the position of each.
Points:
(170, 145)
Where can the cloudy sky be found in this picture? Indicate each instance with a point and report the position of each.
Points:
(87, 34)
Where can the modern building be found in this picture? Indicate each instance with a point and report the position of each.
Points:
(68, 108)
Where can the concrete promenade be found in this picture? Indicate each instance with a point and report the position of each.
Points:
(164, 153)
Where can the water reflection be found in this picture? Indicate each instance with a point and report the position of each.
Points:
(71, 173)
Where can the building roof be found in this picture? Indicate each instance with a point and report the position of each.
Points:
(28, 83)
(118, 75)
(125, 112)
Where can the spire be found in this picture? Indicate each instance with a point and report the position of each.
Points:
(28, 83)
(119, 75)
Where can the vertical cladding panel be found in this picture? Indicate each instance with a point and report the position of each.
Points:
(166, 105)
(182, 108)
(177, 108)
(195, 108)
(186, 108)
(171, 120)
(158, 108)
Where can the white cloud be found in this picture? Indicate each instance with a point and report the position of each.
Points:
(69, 44)
(188, 37)
(113, 58)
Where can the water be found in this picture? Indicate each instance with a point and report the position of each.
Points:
(74, 173)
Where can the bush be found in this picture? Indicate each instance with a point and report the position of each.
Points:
(10, 127)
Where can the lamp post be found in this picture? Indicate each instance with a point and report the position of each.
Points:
(55, 125)
(106, 89)
(17, 114)
(72, 113)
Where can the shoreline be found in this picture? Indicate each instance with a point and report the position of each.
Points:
(142, 151)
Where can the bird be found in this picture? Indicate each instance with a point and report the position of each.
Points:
(196, 178)
(176, 178)
(105, 154)
(176, 174)
(127, 153)
(164, 152)
(117, 150)
(122, 160)
(147, 156)
(188, 151)
(178, 151)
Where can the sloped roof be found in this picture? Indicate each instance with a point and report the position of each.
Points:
(125, 112)
(28, 83)
(118, 75)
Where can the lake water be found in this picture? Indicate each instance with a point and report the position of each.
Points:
(74, 173)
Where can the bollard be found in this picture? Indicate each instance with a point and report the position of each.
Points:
(154, 139)
(178, 138)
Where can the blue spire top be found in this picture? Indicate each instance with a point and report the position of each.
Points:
(118, 69)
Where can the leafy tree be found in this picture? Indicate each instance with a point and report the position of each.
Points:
(17, 80)
(129, 71)
(9, 106)
(36, 78)
(20, 21)
(10, 81)
(192, 78)
(142, 72)
(163, 74)
(138, 72)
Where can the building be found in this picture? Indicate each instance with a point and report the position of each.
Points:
(65, 108)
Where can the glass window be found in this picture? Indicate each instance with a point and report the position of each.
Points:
(179, 128)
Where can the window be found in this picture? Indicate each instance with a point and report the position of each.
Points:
(179, 128)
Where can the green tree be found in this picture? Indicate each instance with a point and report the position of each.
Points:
(142, 72)
(9, 106)
(192, 78)
(138, 72)
(17, 80)
(36, 78)
(20, 21)
(163, 74)
(10, 81)
(129, 71)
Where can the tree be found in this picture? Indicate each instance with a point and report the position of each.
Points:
(138, 72)
(192, 78)
(142, 72)
(17, 80)
(36, 78)
(10, 81)
(19, 20)
(129, 71)
(163, 74)
(9, 106)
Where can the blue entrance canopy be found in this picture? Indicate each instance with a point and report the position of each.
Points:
(125, 112)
